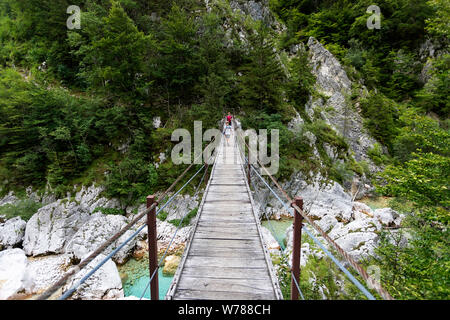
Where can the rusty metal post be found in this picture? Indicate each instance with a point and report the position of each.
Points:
(297, 245)
(152, 248)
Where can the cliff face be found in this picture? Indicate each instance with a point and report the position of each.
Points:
(336, 109)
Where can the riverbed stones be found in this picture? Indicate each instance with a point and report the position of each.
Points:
(388, 217)
(171, 264)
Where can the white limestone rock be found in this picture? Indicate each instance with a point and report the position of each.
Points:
(332, 81)
(49, 229)
(358, 244)
(12, 232)
(387, 217)
(105, 284)
(95, 232)
(90, 199)
(10, 198)
(47, 270)
(16, 279)
(327, 223)
(361, 211)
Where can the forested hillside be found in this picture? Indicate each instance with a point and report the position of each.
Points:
(79, 106)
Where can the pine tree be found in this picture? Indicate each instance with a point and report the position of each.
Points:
(262, 77)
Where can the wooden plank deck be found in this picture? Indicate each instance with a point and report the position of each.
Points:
(225, 257)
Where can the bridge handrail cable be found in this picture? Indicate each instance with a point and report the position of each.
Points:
(50, 291)
(369, 280)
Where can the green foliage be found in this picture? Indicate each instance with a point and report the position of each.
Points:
(162, 215)
(380, 118)
(129, 180)
(187, 219)
(417, 134)
(377, 155)
(386, 58)
(112, 211)
(24, 209)
(261, 80)
(418, 270)
(100, 44)
(434, 95)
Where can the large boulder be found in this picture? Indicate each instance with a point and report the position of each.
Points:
(171, 264)
(104, 284)
(47, 270)
(49, 229)
(358, 244)
(181, 205)
(16, 279)
(166, 230)
(12, 232)
(96, 231)
(388, 217)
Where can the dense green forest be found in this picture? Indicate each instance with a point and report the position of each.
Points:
(70, 99)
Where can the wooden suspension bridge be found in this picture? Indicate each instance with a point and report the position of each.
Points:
(226, 257)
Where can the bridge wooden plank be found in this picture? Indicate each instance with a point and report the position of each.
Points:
(225, 233)
(226, 273)
(249, 286)
(189, 294)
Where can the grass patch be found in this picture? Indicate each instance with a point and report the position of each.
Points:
(23, 208)
(112, 211)
(186, 220)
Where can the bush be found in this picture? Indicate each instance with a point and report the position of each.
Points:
(187, 219)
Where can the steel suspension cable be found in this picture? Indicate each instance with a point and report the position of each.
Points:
(273, 231)
(46, 294)
(369, 280)
(171, 240)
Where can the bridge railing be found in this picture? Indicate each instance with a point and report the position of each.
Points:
(299, 216)
(150, 213)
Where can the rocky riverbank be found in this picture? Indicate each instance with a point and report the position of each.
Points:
(35, 253)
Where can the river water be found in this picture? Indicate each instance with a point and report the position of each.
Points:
(279, 227)
(135, 277)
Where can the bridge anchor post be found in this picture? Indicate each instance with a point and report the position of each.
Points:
(152, 248)
(297, 245)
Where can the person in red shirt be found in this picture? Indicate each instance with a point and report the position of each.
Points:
(229, 117)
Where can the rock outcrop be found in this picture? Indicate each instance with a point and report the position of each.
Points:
(95, 232)
(8, 199)
(332, 81)
(12, 233)
(47, 269)
(49, 230)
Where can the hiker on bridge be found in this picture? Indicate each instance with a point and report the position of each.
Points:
(229, 117)
(228, 132)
